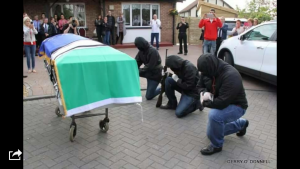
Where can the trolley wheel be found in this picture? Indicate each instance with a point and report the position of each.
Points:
(57, 112)
(72, 133)
(104, 126)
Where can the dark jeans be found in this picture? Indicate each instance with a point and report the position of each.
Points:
(182, 37)
(156, 35)
(120, 37)
(186, 104)
(30, 54)
(224, 122)
(218, 42)
(106, 37)
(99, 34)
(152, 90)
(112, 34)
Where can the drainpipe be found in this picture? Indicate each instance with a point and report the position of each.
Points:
(174, 6)
(103, 8)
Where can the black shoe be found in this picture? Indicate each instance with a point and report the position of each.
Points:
(201, 107)
(209, 150)
(179, 53)
(185, 53)
(168, 106)
(243, 131)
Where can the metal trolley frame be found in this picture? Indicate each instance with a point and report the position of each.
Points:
(103, 124)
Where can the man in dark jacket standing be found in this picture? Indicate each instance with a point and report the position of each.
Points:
(53, 30)
(111, 22)
(152, 70)
(182, 26)
(228, 104)
(184, 80)
(222, 34)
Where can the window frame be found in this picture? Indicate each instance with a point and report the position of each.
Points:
(247, 35)
(141, 9)
(75, 14)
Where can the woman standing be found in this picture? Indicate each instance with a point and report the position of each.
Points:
(98, 24)
(55, 18)
(106, 31)
(29, 43)
(121, 30)
(255, 21)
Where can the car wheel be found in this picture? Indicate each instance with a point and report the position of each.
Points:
(228, 58)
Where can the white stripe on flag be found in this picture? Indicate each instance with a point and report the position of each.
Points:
(112, 102)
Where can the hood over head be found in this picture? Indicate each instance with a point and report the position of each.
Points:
(141, 44)
(174, 62)
(208, 65)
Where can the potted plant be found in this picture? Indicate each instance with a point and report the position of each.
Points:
(173, 12)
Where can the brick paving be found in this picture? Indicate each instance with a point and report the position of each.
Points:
(161, 141)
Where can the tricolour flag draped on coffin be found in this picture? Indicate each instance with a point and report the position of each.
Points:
(91, 75)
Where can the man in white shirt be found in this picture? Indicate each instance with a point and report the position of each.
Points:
(237, 29)
(44, 30)
(155, 24)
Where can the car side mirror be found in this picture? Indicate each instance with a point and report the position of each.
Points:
(242, 38)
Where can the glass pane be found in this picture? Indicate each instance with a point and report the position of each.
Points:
(155, 11)
(80, 15)
(263, 32)
(136, 15)
(68, 10)
(126, 13)
(146, 14)
(56, 10)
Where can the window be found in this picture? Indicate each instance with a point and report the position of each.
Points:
(139, 14)
(263, 32)
(70, 9)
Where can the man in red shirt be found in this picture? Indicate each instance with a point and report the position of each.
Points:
(211, 25)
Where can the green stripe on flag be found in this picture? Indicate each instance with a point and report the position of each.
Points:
(89, 75)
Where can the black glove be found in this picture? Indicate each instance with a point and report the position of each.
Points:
(207, 103)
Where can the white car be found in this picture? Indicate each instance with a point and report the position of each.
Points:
(254, 52)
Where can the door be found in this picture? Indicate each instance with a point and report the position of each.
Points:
(249, 53)
(269, 66)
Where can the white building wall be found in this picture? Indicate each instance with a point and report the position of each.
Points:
(131, 34)
(193, 12)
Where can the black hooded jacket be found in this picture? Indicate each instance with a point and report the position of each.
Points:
(226, 82)
(150, 57)
(187, 73)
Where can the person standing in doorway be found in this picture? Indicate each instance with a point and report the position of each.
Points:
(182, 26)
(111, 22)
(98, 24)
(105, 31)
(62, 22)
(42, 19)
(155, 24)
(44, 31)
(121, 30)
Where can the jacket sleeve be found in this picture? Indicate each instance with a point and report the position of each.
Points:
(177, 26)
(188, 83)
(225, 28)
(219, 23)
(187, 25)
(138, 60)
(35, 31)
(231, 33)
(201, 23)
(201, 85)
(231, 86)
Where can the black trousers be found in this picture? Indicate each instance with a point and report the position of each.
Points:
(120, 37)
(112, 35)
(218, 43)
(182, 37)
(99, 34)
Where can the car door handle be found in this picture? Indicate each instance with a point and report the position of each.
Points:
(259, 47)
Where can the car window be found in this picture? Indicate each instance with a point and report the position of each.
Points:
(263, 32)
